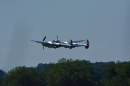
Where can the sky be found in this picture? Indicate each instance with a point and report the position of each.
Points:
(105, 23)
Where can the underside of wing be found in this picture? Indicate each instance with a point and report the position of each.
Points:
(48, 44)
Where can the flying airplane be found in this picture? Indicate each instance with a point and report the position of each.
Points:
(72, 44)
(58, 43)
(50, 44)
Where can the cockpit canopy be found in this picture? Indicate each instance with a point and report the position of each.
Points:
(56, 41)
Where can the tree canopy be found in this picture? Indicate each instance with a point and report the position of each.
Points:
(117, 75)
(69, 72)
(22, 76)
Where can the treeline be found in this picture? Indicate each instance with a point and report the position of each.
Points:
(68, 72)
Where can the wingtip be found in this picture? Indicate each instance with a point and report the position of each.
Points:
(33, 40)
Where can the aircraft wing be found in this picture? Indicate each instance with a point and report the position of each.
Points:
(45, 43)
(38, 41)
(78, 41)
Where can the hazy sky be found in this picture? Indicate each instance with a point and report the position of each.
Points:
(105, 23)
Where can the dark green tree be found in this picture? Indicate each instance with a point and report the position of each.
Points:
(22, 76)
(70, 73)
(117, 75)
(42, 67)
(2, 74)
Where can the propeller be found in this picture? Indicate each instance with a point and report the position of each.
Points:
(87, 43)
(71, 42)
(57, 40)
(44, 38)
(57, 37)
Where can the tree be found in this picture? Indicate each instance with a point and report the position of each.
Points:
(70, 73)
(2, 74)
(117, 75)
(22, 76)
(42, 67)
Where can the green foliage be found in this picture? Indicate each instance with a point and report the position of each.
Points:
(22, 76)
(2, 74)
(42, 67)
(117, 75)
(100, 69)
(70, 73)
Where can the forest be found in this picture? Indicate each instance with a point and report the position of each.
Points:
(69, 72)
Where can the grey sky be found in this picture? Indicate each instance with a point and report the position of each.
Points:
(104, 22)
